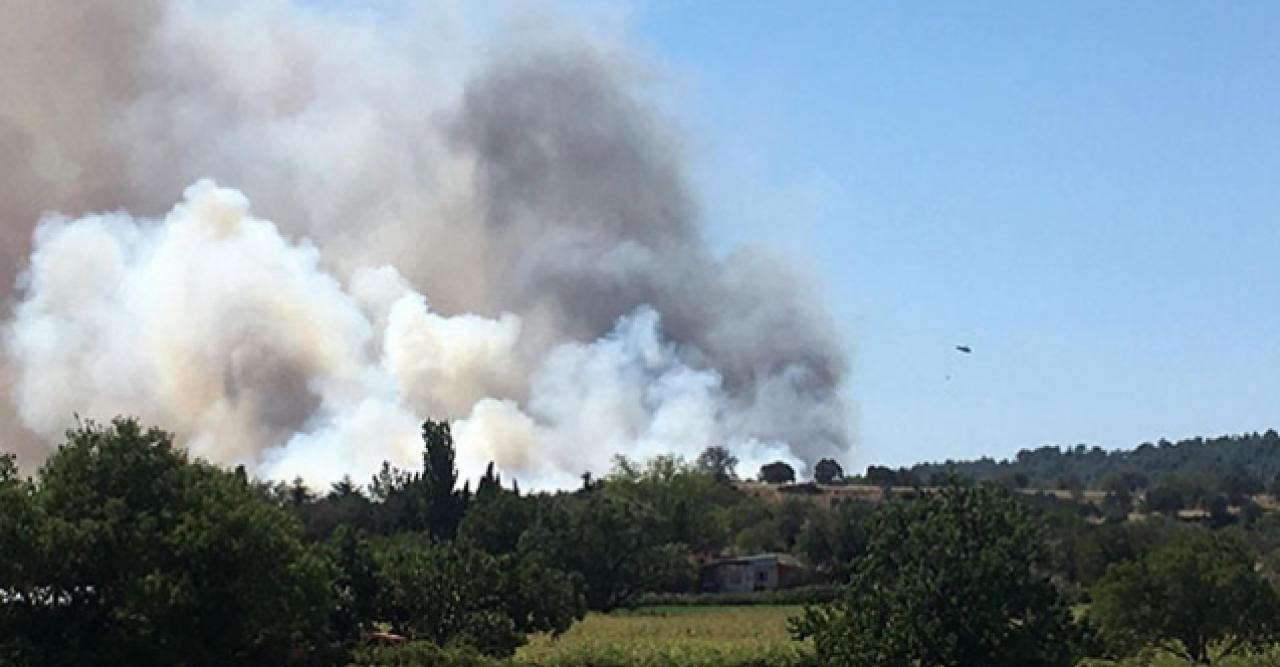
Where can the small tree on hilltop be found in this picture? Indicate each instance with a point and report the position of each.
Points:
(777, 472)
(827, 471)
(879, 476)
(953, 578)
(718, 462)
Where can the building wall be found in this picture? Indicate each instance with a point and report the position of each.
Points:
(764, 574)
(742, 575)
(733, 578)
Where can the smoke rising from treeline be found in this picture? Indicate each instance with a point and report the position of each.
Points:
(409, 219)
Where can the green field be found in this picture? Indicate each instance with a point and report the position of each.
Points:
(704, 636)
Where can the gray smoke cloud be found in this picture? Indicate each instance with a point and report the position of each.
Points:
(412, 217)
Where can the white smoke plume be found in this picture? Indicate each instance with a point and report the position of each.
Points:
(499, 236)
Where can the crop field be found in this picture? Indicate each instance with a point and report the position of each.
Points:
(704, 636)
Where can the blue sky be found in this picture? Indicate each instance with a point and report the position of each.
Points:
(1088, 193)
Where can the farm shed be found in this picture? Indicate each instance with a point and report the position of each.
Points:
(753, 573)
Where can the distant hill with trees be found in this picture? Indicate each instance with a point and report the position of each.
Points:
(1245, 464)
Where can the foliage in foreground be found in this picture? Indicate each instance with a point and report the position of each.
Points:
(123, 551)
(953, 578)
(131, 554)
(1192, 598)
(452, 593)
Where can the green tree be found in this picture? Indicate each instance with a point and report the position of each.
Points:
(426, 501)
(1164, 499)
(1127, 482)
(539, 595)
(688, 502)
(444, 593)
(344, 505)
(496, 518)
(827, 471)
(1070, 481)
(445, 505)
(490, 483)
(23, 543)
(609, 541)
(399, 504)
(833, 541)
(778, 472)
(1239, 486)
(1014, 481)
(388, 481)
(880, 476)
(718, 462)
(1199, 593)
(1117, 505)
(953, 578)
(454, 593)
(356, 586)
(1101, 547)
(135, 555)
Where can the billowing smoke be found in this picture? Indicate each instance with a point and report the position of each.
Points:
(489, 226)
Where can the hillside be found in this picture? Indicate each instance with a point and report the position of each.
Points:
(1249, 462)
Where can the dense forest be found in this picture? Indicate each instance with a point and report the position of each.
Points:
(1255, 456)
(1223, 475)
(123, 550)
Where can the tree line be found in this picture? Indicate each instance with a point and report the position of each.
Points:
(1248, 462)
(124, 550)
